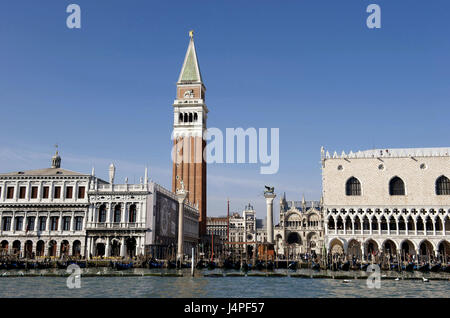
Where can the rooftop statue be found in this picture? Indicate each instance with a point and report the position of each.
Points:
(269, 189)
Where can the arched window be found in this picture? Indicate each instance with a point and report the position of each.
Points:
(190, 117)
(185, 117)
(132, 214)
(443, 186)
(180, 118)
(353, 187)
(396, 186)
(195, 117)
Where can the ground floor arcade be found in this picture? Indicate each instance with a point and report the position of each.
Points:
(26, 247)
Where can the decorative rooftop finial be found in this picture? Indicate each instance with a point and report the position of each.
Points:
(56, 159)
(146, 175)
(112, 172)
(191, 34)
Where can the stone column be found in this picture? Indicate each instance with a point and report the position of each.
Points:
(181, 197)
(269, 224)
(122, 247)
(107, 253)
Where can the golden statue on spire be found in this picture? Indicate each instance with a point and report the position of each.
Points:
(191, 34)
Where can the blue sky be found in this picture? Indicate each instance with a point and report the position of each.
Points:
(310, 68)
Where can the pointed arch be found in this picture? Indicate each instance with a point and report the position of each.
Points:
(348, 223)
(401, 223)
(411, 224)
(396, 186)
(331, 225)
(420, 224)
(353, 187)
(442, 186)
(374, 223)
(392, 223)
(389, 247)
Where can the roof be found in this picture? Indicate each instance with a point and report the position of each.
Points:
(299, 205)
(190, 72)
(44, 172)
(394, 152)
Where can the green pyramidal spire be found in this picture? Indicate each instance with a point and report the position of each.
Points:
(190, 72)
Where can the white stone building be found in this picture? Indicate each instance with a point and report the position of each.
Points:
(128, 220)
(246, 229)
(217, 226)
(43, 212)
(394, 201)
(300, 230)
(54, 212)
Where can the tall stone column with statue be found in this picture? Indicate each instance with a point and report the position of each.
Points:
(269, 195)
(181, 197)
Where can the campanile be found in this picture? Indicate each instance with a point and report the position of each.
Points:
(189, 123)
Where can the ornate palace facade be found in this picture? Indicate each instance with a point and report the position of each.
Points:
(300, 230)
(395, 201)
(55, 212)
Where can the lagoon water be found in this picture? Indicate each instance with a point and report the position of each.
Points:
(227, 287)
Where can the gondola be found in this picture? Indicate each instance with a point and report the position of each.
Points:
(200, 264)
(171, 264)
(246, 267)
(32, 265)
(123, 266)
(315, 266)
(154, 264)
(21, 265)
(43, 265)
(186, 265)
(394, 267)
(211, 265)
(237, 266)
(409, 267)
(61, 265)
(12, 265)
(364, 267)
(345, 266)
(334, 266)
(259, 265)
(435, 268)
(269, 265)
(293, 265)
(424, 268)
(446, 269)
(81, 264)
(228, 264)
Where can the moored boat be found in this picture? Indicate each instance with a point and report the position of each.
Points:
(436, 268)
(293, 265)
(424, 268)
(315, 266)
(345, 266)
(409, 267)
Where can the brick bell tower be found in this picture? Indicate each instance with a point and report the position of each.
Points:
(189, 123)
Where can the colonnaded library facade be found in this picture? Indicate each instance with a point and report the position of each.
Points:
(55, 212)
(395, 201)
